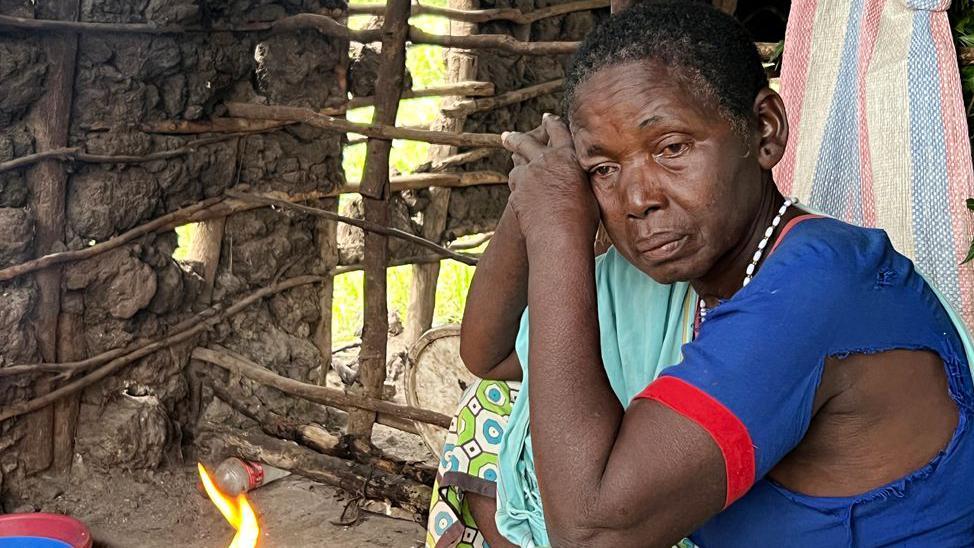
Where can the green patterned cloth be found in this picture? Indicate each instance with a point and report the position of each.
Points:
(469, 462)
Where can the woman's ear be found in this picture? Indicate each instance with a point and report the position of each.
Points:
(772, 128)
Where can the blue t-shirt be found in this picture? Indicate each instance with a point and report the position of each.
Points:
(750, 378)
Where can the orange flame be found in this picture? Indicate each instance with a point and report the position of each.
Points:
(237, 511)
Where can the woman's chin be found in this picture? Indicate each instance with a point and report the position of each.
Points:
(668, 273)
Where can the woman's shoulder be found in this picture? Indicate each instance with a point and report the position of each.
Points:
(835, 249)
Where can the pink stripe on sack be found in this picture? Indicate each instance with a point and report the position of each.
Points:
(794, 78)
(867, 44)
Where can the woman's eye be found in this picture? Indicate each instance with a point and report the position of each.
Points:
(602, 170)
(674, 150)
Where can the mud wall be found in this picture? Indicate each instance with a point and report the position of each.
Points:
(124, 83)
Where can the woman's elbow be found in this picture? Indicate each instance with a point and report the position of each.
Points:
(611, 530)
(472, 353)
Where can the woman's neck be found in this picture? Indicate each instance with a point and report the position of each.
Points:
(727, 275)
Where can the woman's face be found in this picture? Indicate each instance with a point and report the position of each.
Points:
(676, 185)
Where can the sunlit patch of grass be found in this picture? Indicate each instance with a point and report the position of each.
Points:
(451, 297)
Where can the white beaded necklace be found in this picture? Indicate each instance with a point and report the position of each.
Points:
(749, 273)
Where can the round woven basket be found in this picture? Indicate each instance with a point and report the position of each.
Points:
(435, 378)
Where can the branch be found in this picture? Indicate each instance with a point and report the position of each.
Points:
(180, 216)
(465, 89)
(319, 394)
(77, 154)
(476, 242)
(360, 479)
(315, 437)
(440, 164)
(215, 125)
(469, 106)
(501, 42)
(360, 223)
(204, 321)
(426, 180)
(375, 131)
(482, 16)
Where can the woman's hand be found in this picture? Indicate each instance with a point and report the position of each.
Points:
(551, 196)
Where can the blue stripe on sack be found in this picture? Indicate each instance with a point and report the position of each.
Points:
(931, 222)
(836, 184)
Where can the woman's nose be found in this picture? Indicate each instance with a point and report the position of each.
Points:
(641, 196)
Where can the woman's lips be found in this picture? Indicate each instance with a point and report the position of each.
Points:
(659, 248)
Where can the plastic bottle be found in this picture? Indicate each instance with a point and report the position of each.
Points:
(235, 476)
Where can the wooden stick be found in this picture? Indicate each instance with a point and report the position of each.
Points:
(375, 191)
(477, 242)
(318, 438)
(376, 131)
(425, 180)
(326, 234)
(179, 216)
(214, 125)
(65, 153)
(312, 392)
(482, 16)
(353, 477)
(76, 154)
(470, 106)
(501, 42)
(437, 165)
(367, 225)
(49, 121)
(468, 88)
(215, 316)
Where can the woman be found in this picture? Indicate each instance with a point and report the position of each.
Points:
(825, 396)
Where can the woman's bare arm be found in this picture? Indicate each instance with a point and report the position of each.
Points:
(497, 298)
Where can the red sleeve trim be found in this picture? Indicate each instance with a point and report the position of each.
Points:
(723, 426)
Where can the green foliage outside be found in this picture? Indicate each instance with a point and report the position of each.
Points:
(962, 16)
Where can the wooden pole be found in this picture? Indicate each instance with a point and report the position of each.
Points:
(324, 395)
(470, 106)
(375, 192)
(360, 479)
(50, 120)
(513, 15)
(376, 130)
(461, 65)
(204, 248)
(327, 235)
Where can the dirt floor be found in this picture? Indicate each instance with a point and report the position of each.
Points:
(167, 508)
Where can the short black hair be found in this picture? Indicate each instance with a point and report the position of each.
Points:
(706, 48)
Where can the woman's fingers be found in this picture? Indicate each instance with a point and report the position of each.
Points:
(518, 159)
(540, 134)
(557, 131)
(523, 144)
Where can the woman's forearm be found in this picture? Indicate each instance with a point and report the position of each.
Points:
(497, 298)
